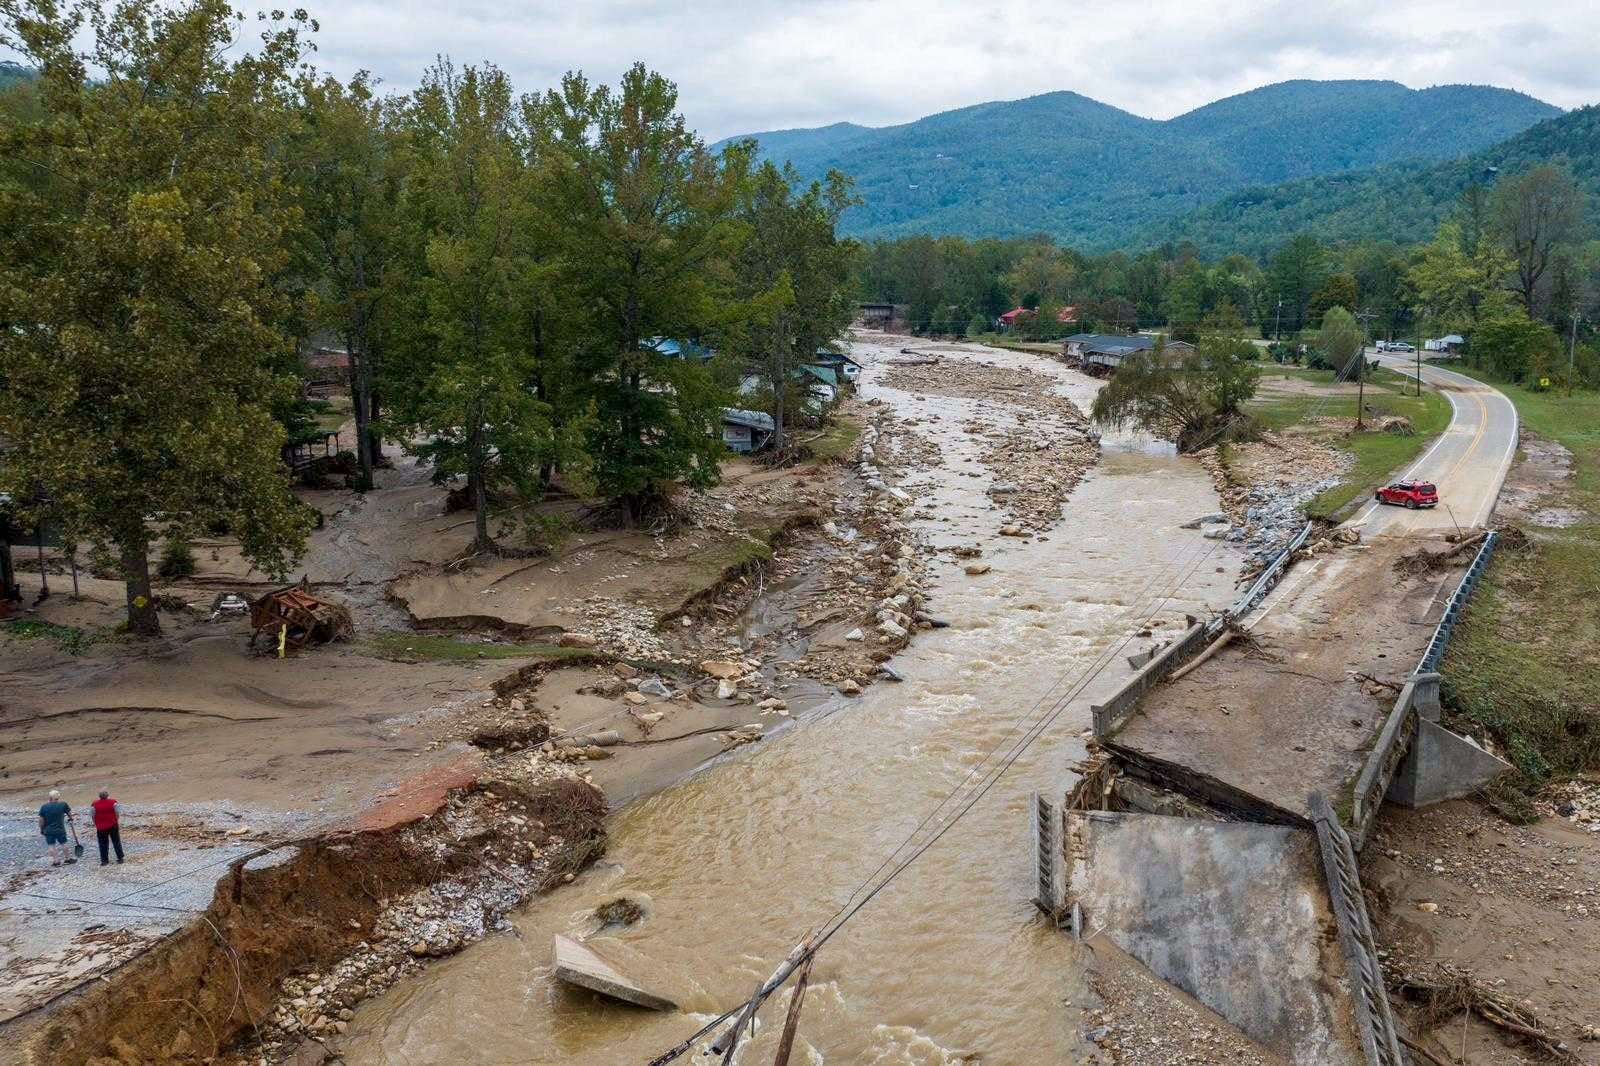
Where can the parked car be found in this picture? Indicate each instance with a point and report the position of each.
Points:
(1411, 494)
(1401, 346)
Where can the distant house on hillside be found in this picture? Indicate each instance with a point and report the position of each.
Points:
(1450, 344)
(746, 431)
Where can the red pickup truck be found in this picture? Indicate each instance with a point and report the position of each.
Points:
(1409, 494)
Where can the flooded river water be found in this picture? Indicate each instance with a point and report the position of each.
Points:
(950, 963)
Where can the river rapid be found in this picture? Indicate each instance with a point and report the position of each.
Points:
(951, 963)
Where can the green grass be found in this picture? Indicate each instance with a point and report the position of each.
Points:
(1524, 662)
(70, 639)
(837, 439)
(441, 647)
(1377, 455)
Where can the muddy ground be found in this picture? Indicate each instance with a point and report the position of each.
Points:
(624, 659)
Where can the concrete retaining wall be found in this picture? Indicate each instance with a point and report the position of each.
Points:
(1120, 705)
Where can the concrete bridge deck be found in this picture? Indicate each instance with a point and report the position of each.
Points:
(1295, 712)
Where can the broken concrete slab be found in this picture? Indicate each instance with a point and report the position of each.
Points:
(1114, 974)
(1235, 914)
(1441, 766)
(578, 964)
(1139, 658)
(1425, 694)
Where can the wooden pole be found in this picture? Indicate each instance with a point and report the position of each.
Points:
(792, 1022)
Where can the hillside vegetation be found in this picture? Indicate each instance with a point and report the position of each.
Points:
(1089, 173)
(1401, 202)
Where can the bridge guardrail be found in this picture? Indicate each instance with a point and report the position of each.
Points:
(1394, 739)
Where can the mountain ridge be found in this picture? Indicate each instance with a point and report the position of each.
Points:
(1089, 172)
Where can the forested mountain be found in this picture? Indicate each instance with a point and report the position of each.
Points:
(11, 73)
(1402, 203)
(1090, 173)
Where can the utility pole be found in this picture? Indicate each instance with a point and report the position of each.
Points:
(1572, 353)
(1365, 318)
(1277, 329)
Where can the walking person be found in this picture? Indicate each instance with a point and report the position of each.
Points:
(53, 818)
(105, 825)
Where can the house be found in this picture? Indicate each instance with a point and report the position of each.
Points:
(677, 349)
(746, 431)
(842, 365)
(1105, 351)
(1010, 319)
(881, 316)
(1450, 344)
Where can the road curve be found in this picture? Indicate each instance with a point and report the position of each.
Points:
(1468, 462)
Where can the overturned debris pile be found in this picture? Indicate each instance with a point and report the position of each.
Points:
(299, 618)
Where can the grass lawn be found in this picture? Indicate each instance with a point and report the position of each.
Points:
(836, 439)
(1525, 660)
(442, 647)
(1377, 455)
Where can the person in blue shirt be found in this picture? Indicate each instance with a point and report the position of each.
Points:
(53, 819)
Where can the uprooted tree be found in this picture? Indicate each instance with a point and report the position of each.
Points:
(145, 341)
(1193, 395)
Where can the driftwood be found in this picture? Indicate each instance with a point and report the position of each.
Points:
(1453, 991)
(792, 1022)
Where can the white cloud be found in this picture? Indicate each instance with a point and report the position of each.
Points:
(764, 64)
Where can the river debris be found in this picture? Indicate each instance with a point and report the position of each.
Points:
(1265, 486)
(1450, 991)
(579, 964)
(300, 617)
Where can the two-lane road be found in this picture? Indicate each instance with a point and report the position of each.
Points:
(1468, 462)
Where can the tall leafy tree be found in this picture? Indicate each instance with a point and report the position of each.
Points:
(1297, 272)
(652, 220)
(350, 180)
(1195, 395)
(792, 270)
(460, 382)
(1537, 213)
(148, 218)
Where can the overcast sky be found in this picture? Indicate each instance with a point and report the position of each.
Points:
(749, 65)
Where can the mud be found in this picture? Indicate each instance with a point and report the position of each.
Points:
(345, 903)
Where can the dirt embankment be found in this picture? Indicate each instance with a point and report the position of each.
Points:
(1265, 484)
(297, 935)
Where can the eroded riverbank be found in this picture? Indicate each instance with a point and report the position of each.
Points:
(737, 862)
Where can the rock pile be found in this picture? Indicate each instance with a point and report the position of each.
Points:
(1265, 486)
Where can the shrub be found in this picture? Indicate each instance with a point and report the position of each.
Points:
(177, 559)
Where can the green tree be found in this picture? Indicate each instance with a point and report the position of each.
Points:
(350, 183)
(1338, 291)
(1195, 395)
(1536, 213)
(653, 220)
(792, 271)
(1342, 341)
(460, 382)
(1518, 348)
(1455, 280)
(147, 341)
(1297, 272)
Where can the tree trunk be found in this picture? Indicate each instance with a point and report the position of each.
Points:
(374, 438)
(477, 464)
(142, 618)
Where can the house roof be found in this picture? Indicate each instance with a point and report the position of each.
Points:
(1111, 344)
(754, 419)
(1015, 313)
(1454, 338)
(828, 355)
(821, 373)
(677, 349)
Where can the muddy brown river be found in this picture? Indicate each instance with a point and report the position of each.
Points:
(949, 964)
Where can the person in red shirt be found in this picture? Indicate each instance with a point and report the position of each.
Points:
(105, 825)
